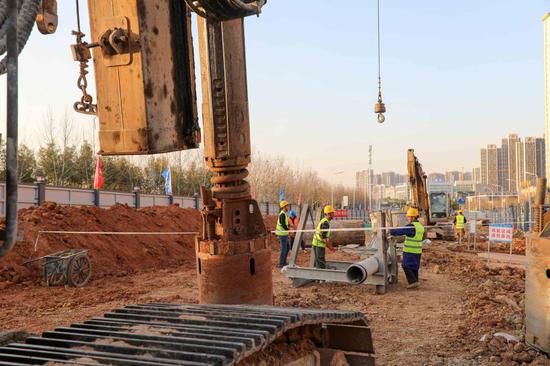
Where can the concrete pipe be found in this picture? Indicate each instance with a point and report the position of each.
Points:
(358, 272)
(342, 237)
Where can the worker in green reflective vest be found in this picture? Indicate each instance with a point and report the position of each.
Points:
(281, 231)
(460, 223)
(412, 246)
(321, 239)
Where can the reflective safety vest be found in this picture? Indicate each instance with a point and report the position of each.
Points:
(460, 222)
(414, 244)
(318, 241)
(280, 230)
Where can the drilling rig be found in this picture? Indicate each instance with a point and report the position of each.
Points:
(142, 54)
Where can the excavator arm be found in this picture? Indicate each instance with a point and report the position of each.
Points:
(419, 189)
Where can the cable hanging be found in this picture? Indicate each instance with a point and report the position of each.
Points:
(379, 107)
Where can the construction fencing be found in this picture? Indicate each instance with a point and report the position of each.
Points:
(503, 209)
(30, 195)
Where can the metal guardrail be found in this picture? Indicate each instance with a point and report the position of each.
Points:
(30, 195)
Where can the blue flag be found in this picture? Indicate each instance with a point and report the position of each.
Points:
(167, 175)
(281, 194)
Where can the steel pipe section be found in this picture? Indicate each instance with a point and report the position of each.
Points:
(359, 272)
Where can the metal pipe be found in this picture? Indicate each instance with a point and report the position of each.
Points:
(358, 272)
(11, 146)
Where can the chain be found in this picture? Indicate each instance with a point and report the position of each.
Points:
(381, 118)
(82, 53)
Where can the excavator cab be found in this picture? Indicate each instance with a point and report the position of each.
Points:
(439, 206)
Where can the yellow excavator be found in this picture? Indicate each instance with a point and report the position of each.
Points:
(143, 58)
(434, 207)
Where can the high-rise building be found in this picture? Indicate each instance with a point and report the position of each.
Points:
(476, 175)
(389, 179)
(484, 166)
(452, 176)
(492, 167)
(436, 178)
(363, 180)
(513, 183)
(503, 168)
(531, 160)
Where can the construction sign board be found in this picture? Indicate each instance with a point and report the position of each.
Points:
(501, 233)
(341, 213)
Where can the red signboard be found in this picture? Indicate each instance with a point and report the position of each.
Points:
(341, 213)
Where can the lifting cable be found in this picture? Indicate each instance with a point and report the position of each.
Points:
(379, 107)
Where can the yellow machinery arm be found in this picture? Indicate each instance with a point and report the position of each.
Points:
(419, 189)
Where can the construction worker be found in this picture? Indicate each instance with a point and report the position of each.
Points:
(459, 223)
(412, 246)
(281, 231)
(293, 219)
(321, 239)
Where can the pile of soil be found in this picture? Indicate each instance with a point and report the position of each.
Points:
(110, 254)
(494, 302)
(518, 246)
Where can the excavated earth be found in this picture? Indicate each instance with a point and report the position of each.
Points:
(450, 320)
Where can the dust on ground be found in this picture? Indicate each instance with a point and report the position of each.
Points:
(460, 300)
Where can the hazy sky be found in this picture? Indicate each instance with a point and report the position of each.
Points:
(456, 76)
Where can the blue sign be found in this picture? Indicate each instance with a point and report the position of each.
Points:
(460, 201)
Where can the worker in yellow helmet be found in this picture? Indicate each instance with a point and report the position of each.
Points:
(460, 224)
(282, 232)
(412, 246)
(321, 239)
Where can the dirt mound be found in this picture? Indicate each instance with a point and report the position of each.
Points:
(110, 254)
(495, 302)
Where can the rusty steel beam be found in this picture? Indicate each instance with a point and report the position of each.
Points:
(233, 256)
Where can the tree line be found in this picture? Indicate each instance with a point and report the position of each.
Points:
(61, 162)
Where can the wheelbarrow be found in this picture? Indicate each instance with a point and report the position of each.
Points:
(68, 267)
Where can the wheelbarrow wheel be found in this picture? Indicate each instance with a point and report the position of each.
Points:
(55, 279)
(79, 271)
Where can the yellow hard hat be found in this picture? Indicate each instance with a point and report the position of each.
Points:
(459, 211)
(283, 204)
(329, 209)
(412, 212)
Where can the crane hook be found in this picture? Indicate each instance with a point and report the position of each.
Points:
(380, 109)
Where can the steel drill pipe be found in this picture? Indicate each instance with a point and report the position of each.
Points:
(358, 272)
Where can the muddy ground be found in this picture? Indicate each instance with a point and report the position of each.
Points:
(441, 323)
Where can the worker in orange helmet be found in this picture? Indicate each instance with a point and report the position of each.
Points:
(412, 246)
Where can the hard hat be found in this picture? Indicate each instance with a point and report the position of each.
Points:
(459, 211)
(329, 209)
(412, 212)
(283, 204)
(292, 214)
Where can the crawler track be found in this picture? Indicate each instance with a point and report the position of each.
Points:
(171, 334)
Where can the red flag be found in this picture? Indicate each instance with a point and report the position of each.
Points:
(98, 178)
